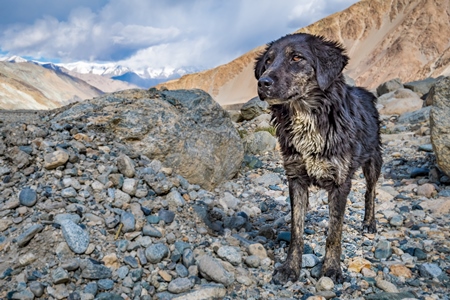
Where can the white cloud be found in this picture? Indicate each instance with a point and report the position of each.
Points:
(161, 33)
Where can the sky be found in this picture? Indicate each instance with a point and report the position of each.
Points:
(154, 33)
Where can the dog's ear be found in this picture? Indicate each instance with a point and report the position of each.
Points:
(260, 63)
(330, 61)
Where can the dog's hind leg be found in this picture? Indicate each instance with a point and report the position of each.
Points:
(337, 198)
(371, 171)
(290, 269)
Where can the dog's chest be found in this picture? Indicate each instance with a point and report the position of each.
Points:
(308, 142)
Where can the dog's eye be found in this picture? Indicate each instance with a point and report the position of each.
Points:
(268, 61)
(297, 58)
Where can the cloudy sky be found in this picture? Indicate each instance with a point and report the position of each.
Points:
(156, 33)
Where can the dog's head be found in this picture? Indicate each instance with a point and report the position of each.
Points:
(295, 65)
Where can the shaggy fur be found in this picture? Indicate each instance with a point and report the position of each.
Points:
(326, 129)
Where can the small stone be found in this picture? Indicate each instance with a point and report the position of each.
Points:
(309, 260)
(426, 190)
(396, 220)
(420, 254)
(36, 288)
(111, 261)
(121, 198)
(23, 295)
(356, 264)
(94, 271)
(166, 215)
(181, 270)
(386, 286)
(188, 258)
(212, 269)
(156, 253)
(164, 275)
(105, 284)
(231, 254)
(400, 271)
(126, 166)
(430, 270)
(60, 276)
(258, 250)
(366, 272)
(149, 230)
(175, 199)
(324, 284)
(55, 159)
(128, 221)
(253, 261)
(28, 234)
(383, 250)
(228, 201)
(129, 186)
(91, 288)
(131, 261)
(69, 192)
(76, 238)
(28, 197)
(180, 285)
(284, 236)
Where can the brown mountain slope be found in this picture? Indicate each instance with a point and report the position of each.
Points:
(385, 39)
(30, 86)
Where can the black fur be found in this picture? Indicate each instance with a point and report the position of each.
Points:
(326, 130)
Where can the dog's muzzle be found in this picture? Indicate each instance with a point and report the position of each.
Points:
(265, 87)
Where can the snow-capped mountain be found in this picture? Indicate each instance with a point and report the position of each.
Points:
(144, 77)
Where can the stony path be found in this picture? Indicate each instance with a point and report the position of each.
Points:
(83, 217)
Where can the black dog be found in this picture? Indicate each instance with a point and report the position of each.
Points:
(326, 130)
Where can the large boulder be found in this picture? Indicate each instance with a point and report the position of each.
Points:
(389, 86)
(440, 123)
(185, 129)
(421, 87)
(399, 102)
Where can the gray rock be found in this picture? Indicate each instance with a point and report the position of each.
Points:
(259, 142)
(55, 159)
(212, 269)
(188, 258)
(91, 288)
(131, 261)
(181, 270)
(28, 234)
(309, 260)
(396, 220)
(253, 108)
(415, 117)
(205, 291)
(94, 271)
(421, 87)
(268, 179)
(430, 270)
(204, 147)
(175, 199)
(389, 86)
(23, 295)
(69, 192)
(390, 296)
(440, 123)
(156, 253)
(126, 166)
(108, 296)
(149, 230)
(253, 261)
(105, 284)
(128, 220)
(383, 250)
(76, 238)
(129, 186)
(166, 215)
(180, 285)
(60, 276)
(36, 288)
(28, 197)
(230, 254)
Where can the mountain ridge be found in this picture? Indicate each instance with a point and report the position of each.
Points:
(385, 39)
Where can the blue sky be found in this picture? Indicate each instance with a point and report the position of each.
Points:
(155, 33)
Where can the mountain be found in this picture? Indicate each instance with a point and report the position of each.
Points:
(385, 39)
(27, 85)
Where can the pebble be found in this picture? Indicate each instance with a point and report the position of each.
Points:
(180, 285)
(324, 284)
(157, 252)
(126, 166)
(258, 250)
(166, 215)
(60, 276)
(105, 284)
(383, 250)
(149, 230)
(430, 270)
(28, 197)
(212, 269)
(36, 288)
(309, 260)
(129, 222)
(76, 238)
(55, 159)
(28, 234)
(387, 286)
(92, 270)
(175, 199)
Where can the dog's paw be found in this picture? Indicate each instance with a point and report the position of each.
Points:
(285, 273)
(369, 227)
(334, 273)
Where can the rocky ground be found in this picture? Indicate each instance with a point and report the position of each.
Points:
(84, 217)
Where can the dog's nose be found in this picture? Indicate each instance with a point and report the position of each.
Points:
(265, 82)
(264, 87)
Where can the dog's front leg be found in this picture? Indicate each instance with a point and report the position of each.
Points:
(337, 198)
(290, 270)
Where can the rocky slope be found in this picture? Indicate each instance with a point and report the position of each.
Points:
(30, 86)
(85, 215)
(385, 39)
